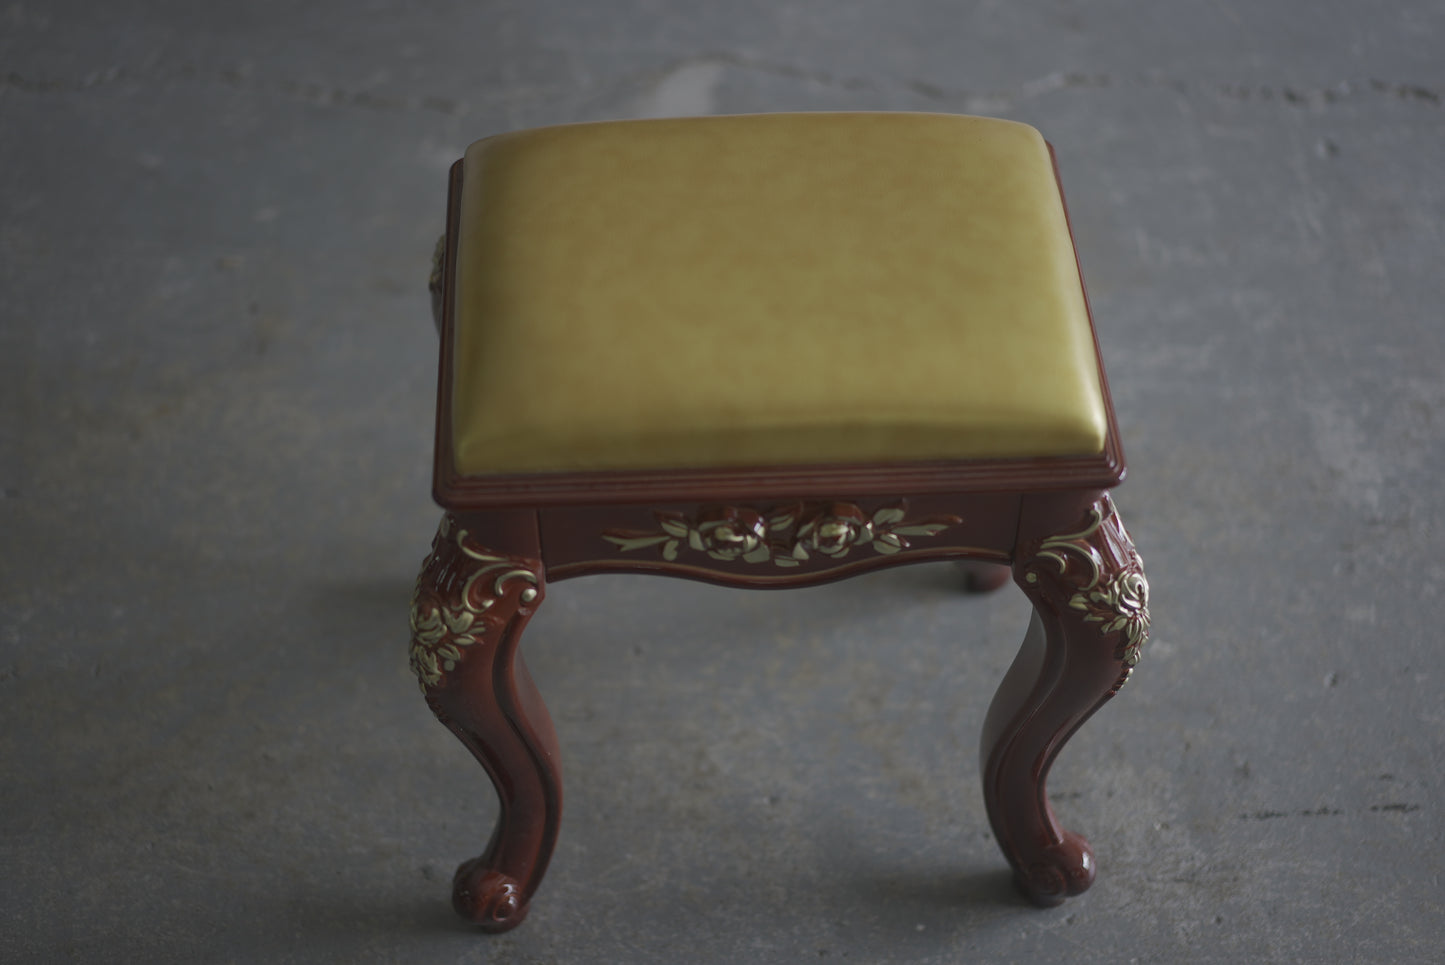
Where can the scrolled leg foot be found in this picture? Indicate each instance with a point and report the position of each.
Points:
(467, 617)
(1060, 871)
(493, 901)
(1090, 622)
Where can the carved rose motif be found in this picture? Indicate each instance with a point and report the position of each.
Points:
(1121, 604)
(739, 533)
(784, 535)
(836, 532)
(438, 634)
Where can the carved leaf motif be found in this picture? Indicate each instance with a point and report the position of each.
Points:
(786, 536)
(629, 543)
(427, 627)
(926, 529)
(781, 522)
(1118, 603)
(441, 634)
(889, 543)
(438, 637)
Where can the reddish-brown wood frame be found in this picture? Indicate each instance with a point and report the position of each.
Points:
(504, 538)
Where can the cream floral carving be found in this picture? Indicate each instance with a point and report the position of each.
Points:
(1122, 606)
(784, 536)
(442, 629)
(1120, 602)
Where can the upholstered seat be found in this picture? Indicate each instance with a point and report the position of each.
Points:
(768, 351)
(806, 288)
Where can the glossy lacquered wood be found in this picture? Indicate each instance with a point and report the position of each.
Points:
(504, 540)
(468, 615)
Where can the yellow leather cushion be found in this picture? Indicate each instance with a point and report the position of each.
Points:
(767, 289)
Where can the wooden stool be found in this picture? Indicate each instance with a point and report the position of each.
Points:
(768, 351)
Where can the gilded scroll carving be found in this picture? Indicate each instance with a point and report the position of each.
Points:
(784, 536)
(1102, 573)
(444, 625)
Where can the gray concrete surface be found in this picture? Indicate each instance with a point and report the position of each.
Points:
(215, 387)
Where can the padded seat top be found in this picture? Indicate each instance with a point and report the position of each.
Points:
(772, 289)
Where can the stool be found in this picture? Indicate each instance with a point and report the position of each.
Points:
(768, 351)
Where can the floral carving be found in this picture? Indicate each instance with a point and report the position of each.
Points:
(1122, 606)
(835, 532)
(442, 630)
(738, 533)
(1119, 603)
(785, 536)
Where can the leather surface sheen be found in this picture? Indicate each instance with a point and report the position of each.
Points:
(767, 289)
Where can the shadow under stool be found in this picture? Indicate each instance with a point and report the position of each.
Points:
(768, 351)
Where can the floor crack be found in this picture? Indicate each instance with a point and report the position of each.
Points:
(312, 92)
(315, 92)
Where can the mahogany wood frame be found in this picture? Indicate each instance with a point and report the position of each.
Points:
(503, 539)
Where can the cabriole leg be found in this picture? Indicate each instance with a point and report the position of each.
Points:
(1091, 618)
(467, 616)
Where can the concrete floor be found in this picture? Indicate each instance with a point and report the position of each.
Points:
(216, 377)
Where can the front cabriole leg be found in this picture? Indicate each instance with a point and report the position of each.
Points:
(468, 613)
(1091, 619)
